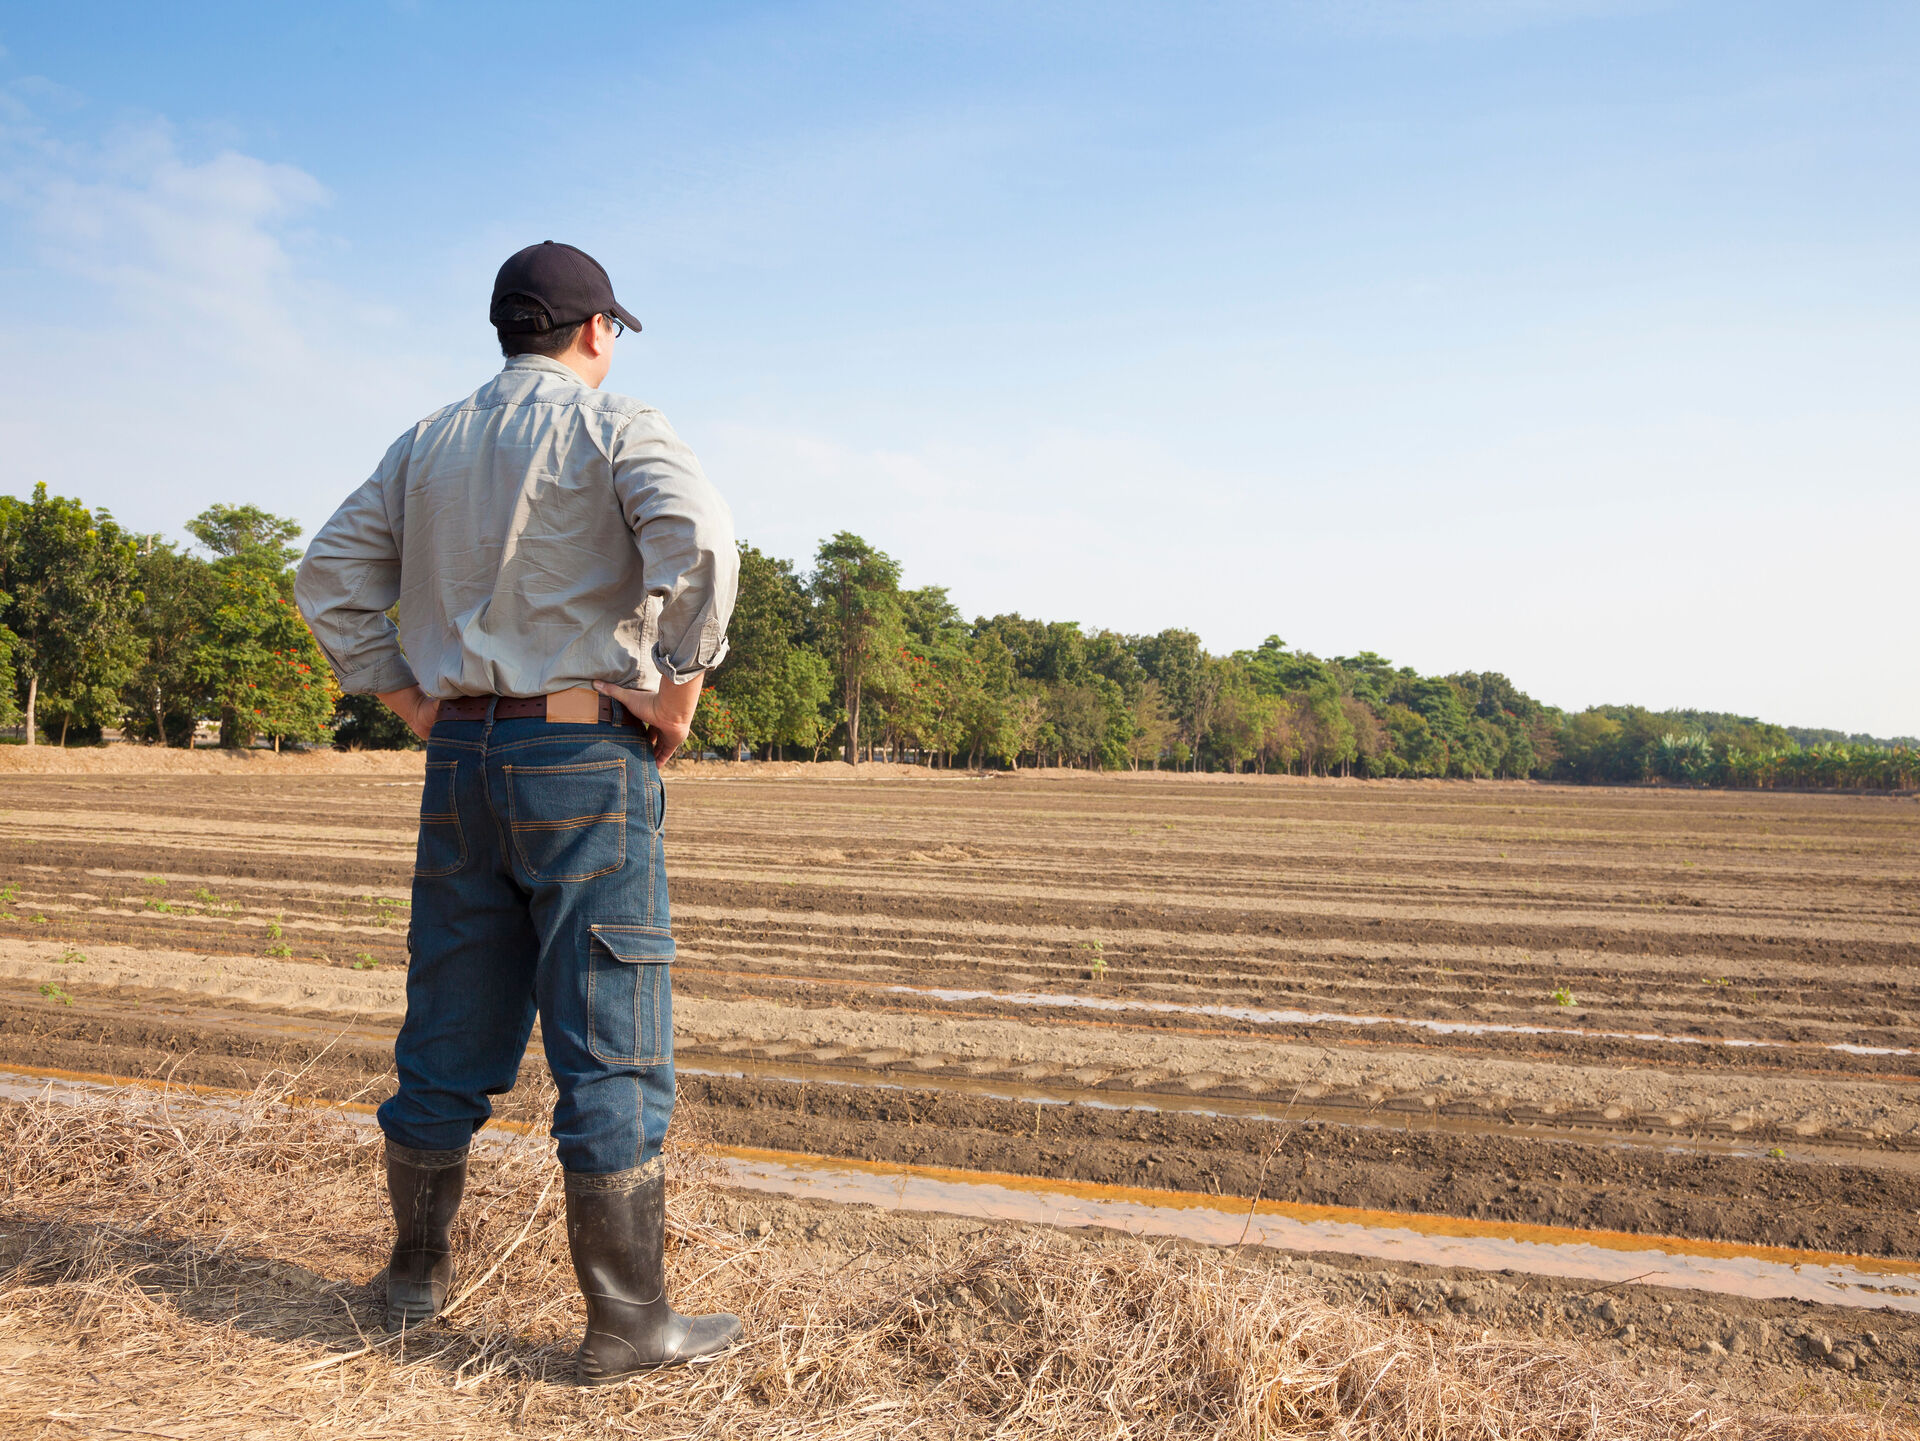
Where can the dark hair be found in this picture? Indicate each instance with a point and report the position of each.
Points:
(538, 342)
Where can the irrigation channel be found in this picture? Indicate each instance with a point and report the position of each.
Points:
(1607, 1257)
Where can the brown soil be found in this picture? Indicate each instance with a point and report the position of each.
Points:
(803, 905)
(1864, 1209)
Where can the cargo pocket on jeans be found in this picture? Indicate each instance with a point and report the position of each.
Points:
(569, 823)
(629, 994)
(443, 845)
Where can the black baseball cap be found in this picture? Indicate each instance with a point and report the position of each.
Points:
(549, 285)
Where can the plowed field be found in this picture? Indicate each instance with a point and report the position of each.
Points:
(1667, 1012)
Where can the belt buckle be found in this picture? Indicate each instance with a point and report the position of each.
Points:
(578, 706)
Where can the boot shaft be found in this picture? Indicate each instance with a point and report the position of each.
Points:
(425, 1188)
(617, 1233)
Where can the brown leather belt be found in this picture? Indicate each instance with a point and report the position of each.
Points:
(504, 707)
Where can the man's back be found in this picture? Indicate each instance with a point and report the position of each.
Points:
(564, 576)
(539, 535)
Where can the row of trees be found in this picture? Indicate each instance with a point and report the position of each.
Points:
(1628, 744)
(845, 658)
(99, 627)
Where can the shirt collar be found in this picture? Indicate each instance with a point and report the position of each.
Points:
(542, 362)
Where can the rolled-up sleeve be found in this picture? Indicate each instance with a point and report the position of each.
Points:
(349, 577)
(684, 532)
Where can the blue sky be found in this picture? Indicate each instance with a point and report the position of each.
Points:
(1573, 340)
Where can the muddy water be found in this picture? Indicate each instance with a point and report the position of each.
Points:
(1600, 1256)
(1262, 1017)
(1605, 1257)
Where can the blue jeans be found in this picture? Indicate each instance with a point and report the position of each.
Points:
(539, 885)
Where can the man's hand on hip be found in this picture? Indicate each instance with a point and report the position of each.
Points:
(666, 713)
(414, 706)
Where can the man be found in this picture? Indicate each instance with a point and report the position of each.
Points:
(564, 575)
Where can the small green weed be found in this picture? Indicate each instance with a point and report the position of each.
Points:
(280, 951)
(274, 932)
(364, 962)
(9, 893)
(1563, 996)
(71, 956)
(1776, 1154)
(385, 908)
(164, 907)
(158, 882)
(54, 993)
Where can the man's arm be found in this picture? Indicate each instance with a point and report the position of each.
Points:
(667, 713)
(348, 578)
(414, 706)
(684, 533)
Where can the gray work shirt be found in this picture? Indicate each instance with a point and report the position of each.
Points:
(538, 535)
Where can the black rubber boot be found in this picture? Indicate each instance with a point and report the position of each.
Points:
(617, 1230)
(425, 1188)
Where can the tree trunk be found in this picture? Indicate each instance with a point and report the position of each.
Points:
(852, 701)
(63, 730)
(33, 705)
(159, 717)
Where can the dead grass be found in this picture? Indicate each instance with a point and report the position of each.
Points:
(178, 1269)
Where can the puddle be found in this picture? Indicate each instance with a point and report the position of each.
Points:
(1601, 1256)
(1337, 1018)
(1605, 1257)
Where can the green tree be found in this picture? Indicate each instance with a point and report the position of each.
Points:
(806, 712)
(769, 620)
(165, 698)
(363, 723)
(9, 647)
(1189, 685)
(68, 576)
(1149, 728)
(857, 589)
(246, 530)
(1241, 719)
(262, 669)
(984, 719)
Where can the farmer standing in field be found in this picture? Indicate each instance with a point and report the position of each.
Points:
(564, 574)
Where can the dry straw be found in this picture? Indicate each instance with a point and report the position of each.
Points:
(184, 1270)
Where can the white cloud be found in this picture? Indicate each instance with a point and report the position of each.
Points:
(158, 237)
(185, 350)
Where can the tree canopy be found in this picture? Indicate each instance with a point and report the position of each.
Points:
(843, 660)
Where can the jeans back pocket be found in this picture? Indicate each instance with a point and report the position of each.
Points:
(569, 822)
(629, 994)
(442, 849)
